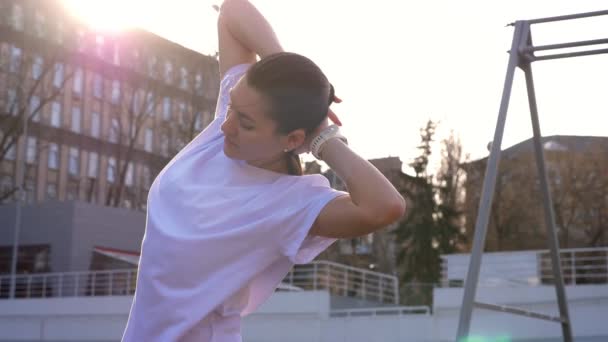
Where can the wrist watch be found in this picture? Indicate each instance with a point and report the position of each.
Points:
(317, 144)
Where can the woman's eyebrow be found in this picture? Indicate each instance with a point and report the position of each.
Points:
(239, 112)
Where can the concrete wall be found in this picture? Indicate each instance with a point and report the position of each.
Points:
(72, 229)
(304, 316)
(49, 223)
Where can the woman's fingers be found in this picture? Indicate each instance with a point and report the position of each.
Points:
(337, 99)
(333, 117)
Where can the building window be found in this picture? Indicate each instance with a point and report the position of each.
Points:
(166, 109)
(129, 175)
(114, 131)
(30, 154)
(146, 176)
(58, 77)
(111, 172)
(152, 62)
(168, 71)
(76, 115)
(6, 184)
(182, 113)
(93, 165)
(73, 161)
(59, 32)
(80, 39)
(97, 85)
(115, 92)
(17, 17)
(56, 114)
(95, 124)
(30, 190)
(198, 84)
(53, 162)
(37, 64)
(116, 55)
(99, 42)
(149, 105)
(51, 190)
(11, 102)
(15, 62)
(198, 121)
(11, 154)
(164, 145)
(183, 82)
(39, 24)
(71, 192)
(34, 110)
(78, 81)
(149, 138)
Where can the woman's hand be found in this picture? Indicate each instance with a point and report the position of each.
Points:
(331, 115)
(305, 147)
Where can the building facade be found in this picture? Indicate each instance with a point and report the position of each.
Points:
(578, 180)
(105, 111)
(376, 251)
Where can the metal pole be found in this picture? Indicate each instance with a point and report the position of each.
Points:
(485, 203)
(548, 206)
(568, 17)
(17, 231)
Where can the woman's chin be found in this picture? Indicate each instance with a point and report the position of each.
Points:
(229, 151)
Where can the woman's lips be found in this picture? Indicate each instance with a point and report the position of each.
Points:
(231, 143)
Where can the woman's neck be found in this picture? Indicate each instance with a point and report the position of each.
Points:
(276, 164)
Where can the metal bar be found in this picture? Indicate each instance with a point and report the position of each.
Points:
(568, 17)
(518, 311)
(548, 206)
(314, 277)
(567, 55)
(489, 183)
(566, 45)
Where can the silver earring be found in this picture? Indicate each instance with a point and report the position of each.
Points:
(286, 150)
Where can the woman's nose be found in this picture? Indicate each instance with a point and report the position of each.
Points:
(228, 125)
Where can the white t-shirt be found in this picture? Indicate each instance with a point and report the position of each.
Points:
(220, 236)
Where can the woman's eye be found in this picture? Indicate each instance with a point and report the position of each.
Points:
(246, 127)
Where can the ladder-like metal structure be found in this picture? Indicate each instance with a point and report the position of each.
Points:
(521, 55)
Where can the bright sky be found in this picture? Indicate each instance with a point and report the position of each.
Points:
(398, 63)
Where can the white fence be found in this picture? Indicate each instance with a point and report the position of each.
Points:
(319, 275)
(529, 268)
(343, 280)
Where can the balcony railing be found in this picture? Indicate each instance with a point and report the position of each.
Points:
(373, 312)
(319, 275)
(343, 280)
(530, 268)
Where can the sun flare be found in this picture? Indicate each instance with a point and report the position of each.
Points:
(110, 15)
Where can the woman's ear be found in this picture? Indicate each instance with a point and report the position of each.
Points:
(295, 139)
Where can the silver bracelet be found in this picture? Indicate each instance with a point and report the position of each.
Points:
(317, 144)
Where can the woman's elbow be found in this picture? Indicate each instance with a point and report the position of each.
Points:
(388, 214)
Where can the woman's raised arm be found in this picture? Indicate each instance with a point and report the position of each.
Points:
(243, 33)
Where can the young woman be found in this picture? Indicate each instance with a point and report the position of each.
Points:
(231, 213)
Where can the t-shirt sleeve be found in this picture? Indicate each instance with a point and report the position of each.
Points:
(230, 79)
(296, 243)
(213, 131)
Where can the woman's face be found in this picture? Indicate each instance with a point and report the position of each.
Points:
(250, 133)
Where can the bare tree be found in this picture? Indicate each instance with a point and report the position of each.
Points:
(36, 76)
(580, 191)
(136, 103)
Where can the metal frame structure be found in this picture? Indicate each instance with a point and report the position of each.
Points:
(522, 55)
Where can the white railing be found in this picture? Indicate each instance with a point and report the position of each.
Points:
(71, 284)
(319, 275)
(344, 280)
(530, 268)
(384, 311)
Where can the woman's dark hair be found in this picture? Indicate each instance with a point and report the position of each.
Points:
(298, 94)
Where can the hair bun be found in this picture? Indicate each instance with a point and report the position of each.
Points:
(331, 94)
